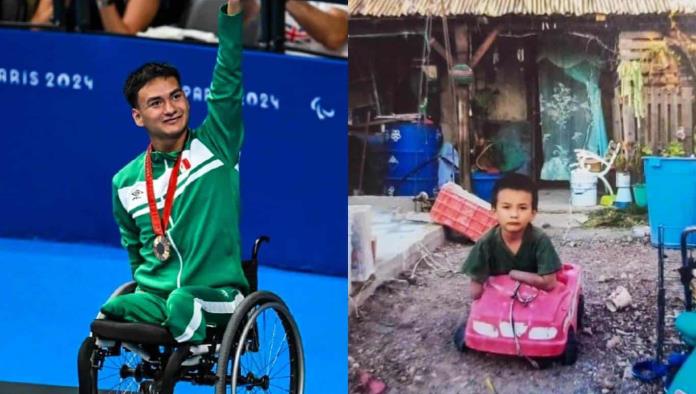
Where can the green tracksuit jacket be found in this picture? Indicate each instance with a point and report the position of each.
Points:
(204, 224)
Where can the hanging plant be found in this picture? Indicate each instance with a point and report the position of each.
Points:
(631, 86)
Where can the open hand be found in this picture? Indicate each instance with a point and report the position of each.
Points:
(233, 7)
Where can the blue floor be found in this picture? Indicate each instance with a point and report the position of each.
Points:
(52, 291)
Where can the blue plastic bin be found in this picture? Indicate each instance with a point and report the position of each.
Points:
(412, 157)
(482, 183)
(671, 189)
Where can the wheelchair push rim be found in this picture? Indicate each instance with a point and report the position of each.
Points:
(267, 358)
(262, 349)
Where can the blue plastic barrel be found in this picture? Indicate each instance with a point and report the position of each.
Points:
(671, 189)
(412, 152)
(482, 184)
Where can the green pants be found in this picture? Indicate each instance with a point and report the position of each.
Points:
(185, 311)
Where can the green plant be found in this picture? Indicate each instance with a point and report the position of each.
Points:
(673, 149)
(625, 160)
(638, 171)
(612, 217)
(621, 163)
(631, 86)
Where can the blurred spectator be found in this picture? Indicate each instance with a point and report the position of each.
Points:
(317, 26)
(17, 10)
(118, 16)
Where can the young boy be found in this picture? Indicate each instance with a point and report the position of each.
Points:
(514, 246)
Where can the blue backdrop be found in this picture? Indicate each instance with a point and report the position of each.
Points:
(66, 129)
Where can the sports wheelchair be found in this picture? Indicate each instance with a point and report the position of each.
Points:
(259, 348)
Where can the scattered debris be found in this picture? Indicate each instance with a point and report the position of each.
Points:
(640, 231)
(613, 342)
(612, 217)
(619, 299)
(489, 385)
(371, 384)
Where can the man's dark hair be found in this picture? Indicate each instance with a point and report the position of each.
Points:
(144, 74)
(516, 181)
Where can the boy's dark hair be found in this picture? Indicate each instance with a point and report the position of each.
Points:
(144, 74)
(516, 181)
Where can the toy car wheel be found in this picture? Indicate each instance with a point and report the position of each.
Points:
(581, 311)
(570, 353)
(543, 362)
(459, 341)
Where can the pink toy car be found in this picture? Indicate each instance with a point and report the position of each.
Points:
(520, 320)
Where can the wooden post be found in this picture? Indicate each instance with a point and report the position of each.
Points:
(490, 39)
(687, 97)
(461, 43)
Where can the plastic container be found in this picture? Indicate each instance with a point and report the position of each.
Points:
(671, 190)
(412, 157)
(482, 183)
(640, 195)
(583, 188)
(462, 211)
(361, 260)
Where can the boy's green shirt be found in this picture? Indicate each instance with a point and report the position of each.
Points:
(491, 256)
(204, 224)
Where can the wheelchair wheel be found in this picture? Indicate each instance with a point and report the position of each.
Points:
(114, 373)
(261, 349)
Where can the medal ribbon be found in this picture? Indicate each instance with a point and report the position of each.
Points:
(159, 226)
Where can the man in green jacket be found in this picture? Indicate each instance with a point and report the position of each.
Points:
(177, 204)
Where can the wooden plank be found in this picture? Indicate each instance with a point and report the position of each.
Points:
(461, 47)
(616, 116)
(481, 50)
(628, 132)
(639, 45)
(642, 128)
(687, 97)
(674, 114)
(641, 35)
(626, 54)
(654, 129)
(664, 117)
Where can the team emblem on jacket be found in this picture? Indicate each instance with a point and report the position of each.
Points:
(136, 194)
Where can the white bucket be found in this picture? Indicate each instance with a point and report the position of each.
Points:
(623, 189)
(583, 188)
(623, 179)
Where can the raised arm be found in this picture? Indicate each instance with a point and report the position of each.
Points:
(43, 13)
(222, 128)
(330, 28)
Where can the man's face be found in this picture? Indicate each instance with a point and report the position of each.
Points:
(162, 108)
(514, 210)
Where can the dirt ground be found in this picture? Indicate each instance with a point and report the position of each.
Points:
(403, 335)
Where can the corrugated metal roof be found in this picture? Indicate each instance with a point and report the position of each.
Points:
(397, 8)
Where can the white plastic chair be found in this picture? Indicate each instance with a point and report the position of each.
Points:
(586, 159)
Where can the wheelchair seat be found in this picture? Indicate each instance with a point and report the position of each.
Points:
(147, 334)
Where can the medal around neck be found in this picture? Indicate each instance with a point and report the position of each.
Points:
(161, 247)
